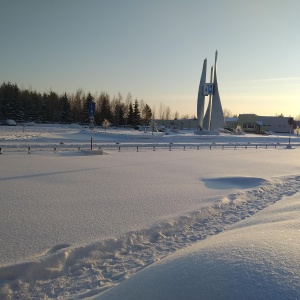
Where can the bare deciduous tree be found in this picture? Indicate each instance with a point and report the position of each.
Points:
(142, 105)
(167, 113)
(153, 112)
(176, 115)
(185, 116)
(227, 113)
(152, 125)
(105, 124)
(161, 112)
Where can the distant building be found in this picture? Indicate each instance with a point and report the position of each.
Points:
(251, 123)
(259, 124)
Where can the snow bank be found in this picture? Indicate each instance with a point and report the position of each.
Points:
(257, 258)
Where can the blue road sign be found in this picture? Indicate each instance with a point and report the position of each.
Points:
(208, 89)
(92, 107)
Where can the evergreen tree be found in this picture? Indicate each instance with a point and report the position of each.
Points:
(136, 113)
(43, 107)
(119, 112)
(130, 116)
(1, 104)
(52, 106)
(104, 111)
(10, 101)
(24, 100)
(46, 115)
(76, 103)
(34, 107)
(147, 114)
(86, 118)
(65, 109)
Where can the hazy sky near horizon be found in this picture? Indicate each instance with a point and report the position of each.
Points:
(155, 50)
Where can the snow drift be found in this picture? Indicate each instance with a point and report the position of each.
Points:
(257, 258)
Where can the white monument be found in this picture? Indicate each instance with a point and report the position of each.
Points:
(213, 118)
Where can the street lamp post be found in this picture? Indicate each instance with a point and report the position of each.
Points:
(92, 106)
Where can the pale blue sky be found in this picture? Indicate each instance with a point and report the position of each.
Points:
(155, 50)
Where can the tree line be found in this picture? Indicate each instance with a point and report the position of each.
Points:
(23, 105)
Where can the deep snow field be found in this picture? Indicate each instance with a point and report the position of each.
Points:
(162, 216)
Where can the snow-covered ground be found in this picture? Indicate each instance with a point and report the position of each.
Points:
(182, 216)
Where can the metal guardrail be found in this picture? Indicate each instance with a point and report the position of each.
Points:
(138, 147)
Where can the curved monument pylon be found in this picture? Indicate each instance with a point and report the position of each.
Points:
(201, 97)
(217, 116)
(214, 117)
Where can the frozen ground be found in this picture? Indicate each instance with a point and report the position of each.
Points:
(74, 225)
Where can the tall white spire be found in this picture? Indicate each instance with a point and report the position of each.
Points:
(217, 117)
(201, 97)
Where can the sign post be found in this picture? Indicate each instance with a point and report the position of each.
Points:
(92, 106)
